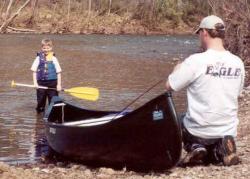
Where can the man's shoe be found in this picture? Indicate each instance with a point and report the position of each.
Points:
(228, 150)
(197, 154)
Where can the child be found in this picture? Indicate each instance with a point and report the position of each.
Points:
(46, 72)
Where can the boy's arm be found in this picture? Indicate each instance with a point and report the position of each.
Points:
(35, 79)
(59, 82)
(34, 71)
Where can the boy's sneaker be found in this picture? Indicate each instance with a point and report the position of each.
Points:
(228, 151)
(197, 154)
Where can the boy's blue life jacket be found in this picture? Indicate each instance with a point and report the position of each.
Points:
(46, 68)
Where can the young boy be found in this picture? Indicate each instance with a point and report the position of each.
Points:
(46, 72)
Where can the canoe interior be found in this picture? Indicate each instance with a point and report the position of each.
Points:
(61, 112)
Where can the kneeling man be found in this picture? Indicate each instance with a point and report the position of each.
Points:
(214, 80)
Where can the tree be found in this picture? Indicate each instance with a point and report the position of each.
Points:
(89, 9)
(8, 20)
(7, 13)
(33, 7)
(110, 4)
(236, 15)
(69, 4)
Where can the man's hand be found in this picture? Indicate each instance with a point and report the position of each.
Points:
(168, 87)
(177, 66)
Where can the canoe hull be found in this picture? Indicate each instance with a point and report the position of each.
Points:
(147, 138)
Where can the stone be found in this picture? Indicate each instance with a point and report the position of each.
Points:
(4, 167)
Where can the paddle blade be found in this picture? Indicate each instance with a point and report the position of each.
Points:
(87, 93)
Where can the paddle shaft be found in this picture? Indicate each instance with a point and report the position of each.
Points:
(87, 93)
(33, 86)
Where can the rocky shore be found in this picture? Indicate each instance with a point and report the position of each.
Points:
(72, 170)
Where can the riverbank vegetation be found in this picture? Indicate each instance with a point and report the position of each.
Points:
(104, 16)
(128, 17)
(236, 15)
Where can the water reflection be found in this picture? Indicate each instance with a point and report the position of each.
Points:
(23, 142)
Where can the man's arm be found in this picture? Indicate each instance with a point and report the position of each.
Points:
(168, 87)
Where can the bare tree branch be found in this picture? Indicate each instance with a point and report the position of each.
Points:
(110, 4)
(89, 10)
(68, 16)
(2, 7)
(20, 30)
(7, 13)
(8, 21)
(33, 5)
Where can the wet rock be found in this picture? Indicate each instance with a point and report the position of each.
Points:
(103, 176)
(60, 164)
(74, 167)
(187, 177)
(83, 167)
(35, 169)
(134, 177)
(45, 170)
(124, 170)
(51, 166)
(247, 150)
(62, 170)
(3, 167)
(108, 171)
(173, 175)
(147, 176)
(88, 173)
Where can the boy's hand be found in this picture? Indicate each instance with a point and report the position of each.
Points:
(59, 88)
(36, 85)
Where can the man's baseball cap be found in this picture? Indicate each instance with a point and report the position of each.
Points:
(210, 22)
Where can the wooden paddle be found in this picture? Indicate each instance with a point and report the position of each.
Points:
(86, 93)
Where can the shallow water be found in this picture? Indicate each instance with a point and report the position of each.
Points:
(121, 67)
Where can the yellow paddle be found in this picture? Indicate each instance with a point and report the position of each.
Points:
(87, 93)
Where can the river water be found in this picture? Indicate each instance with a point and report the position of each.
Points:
(121, 67)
